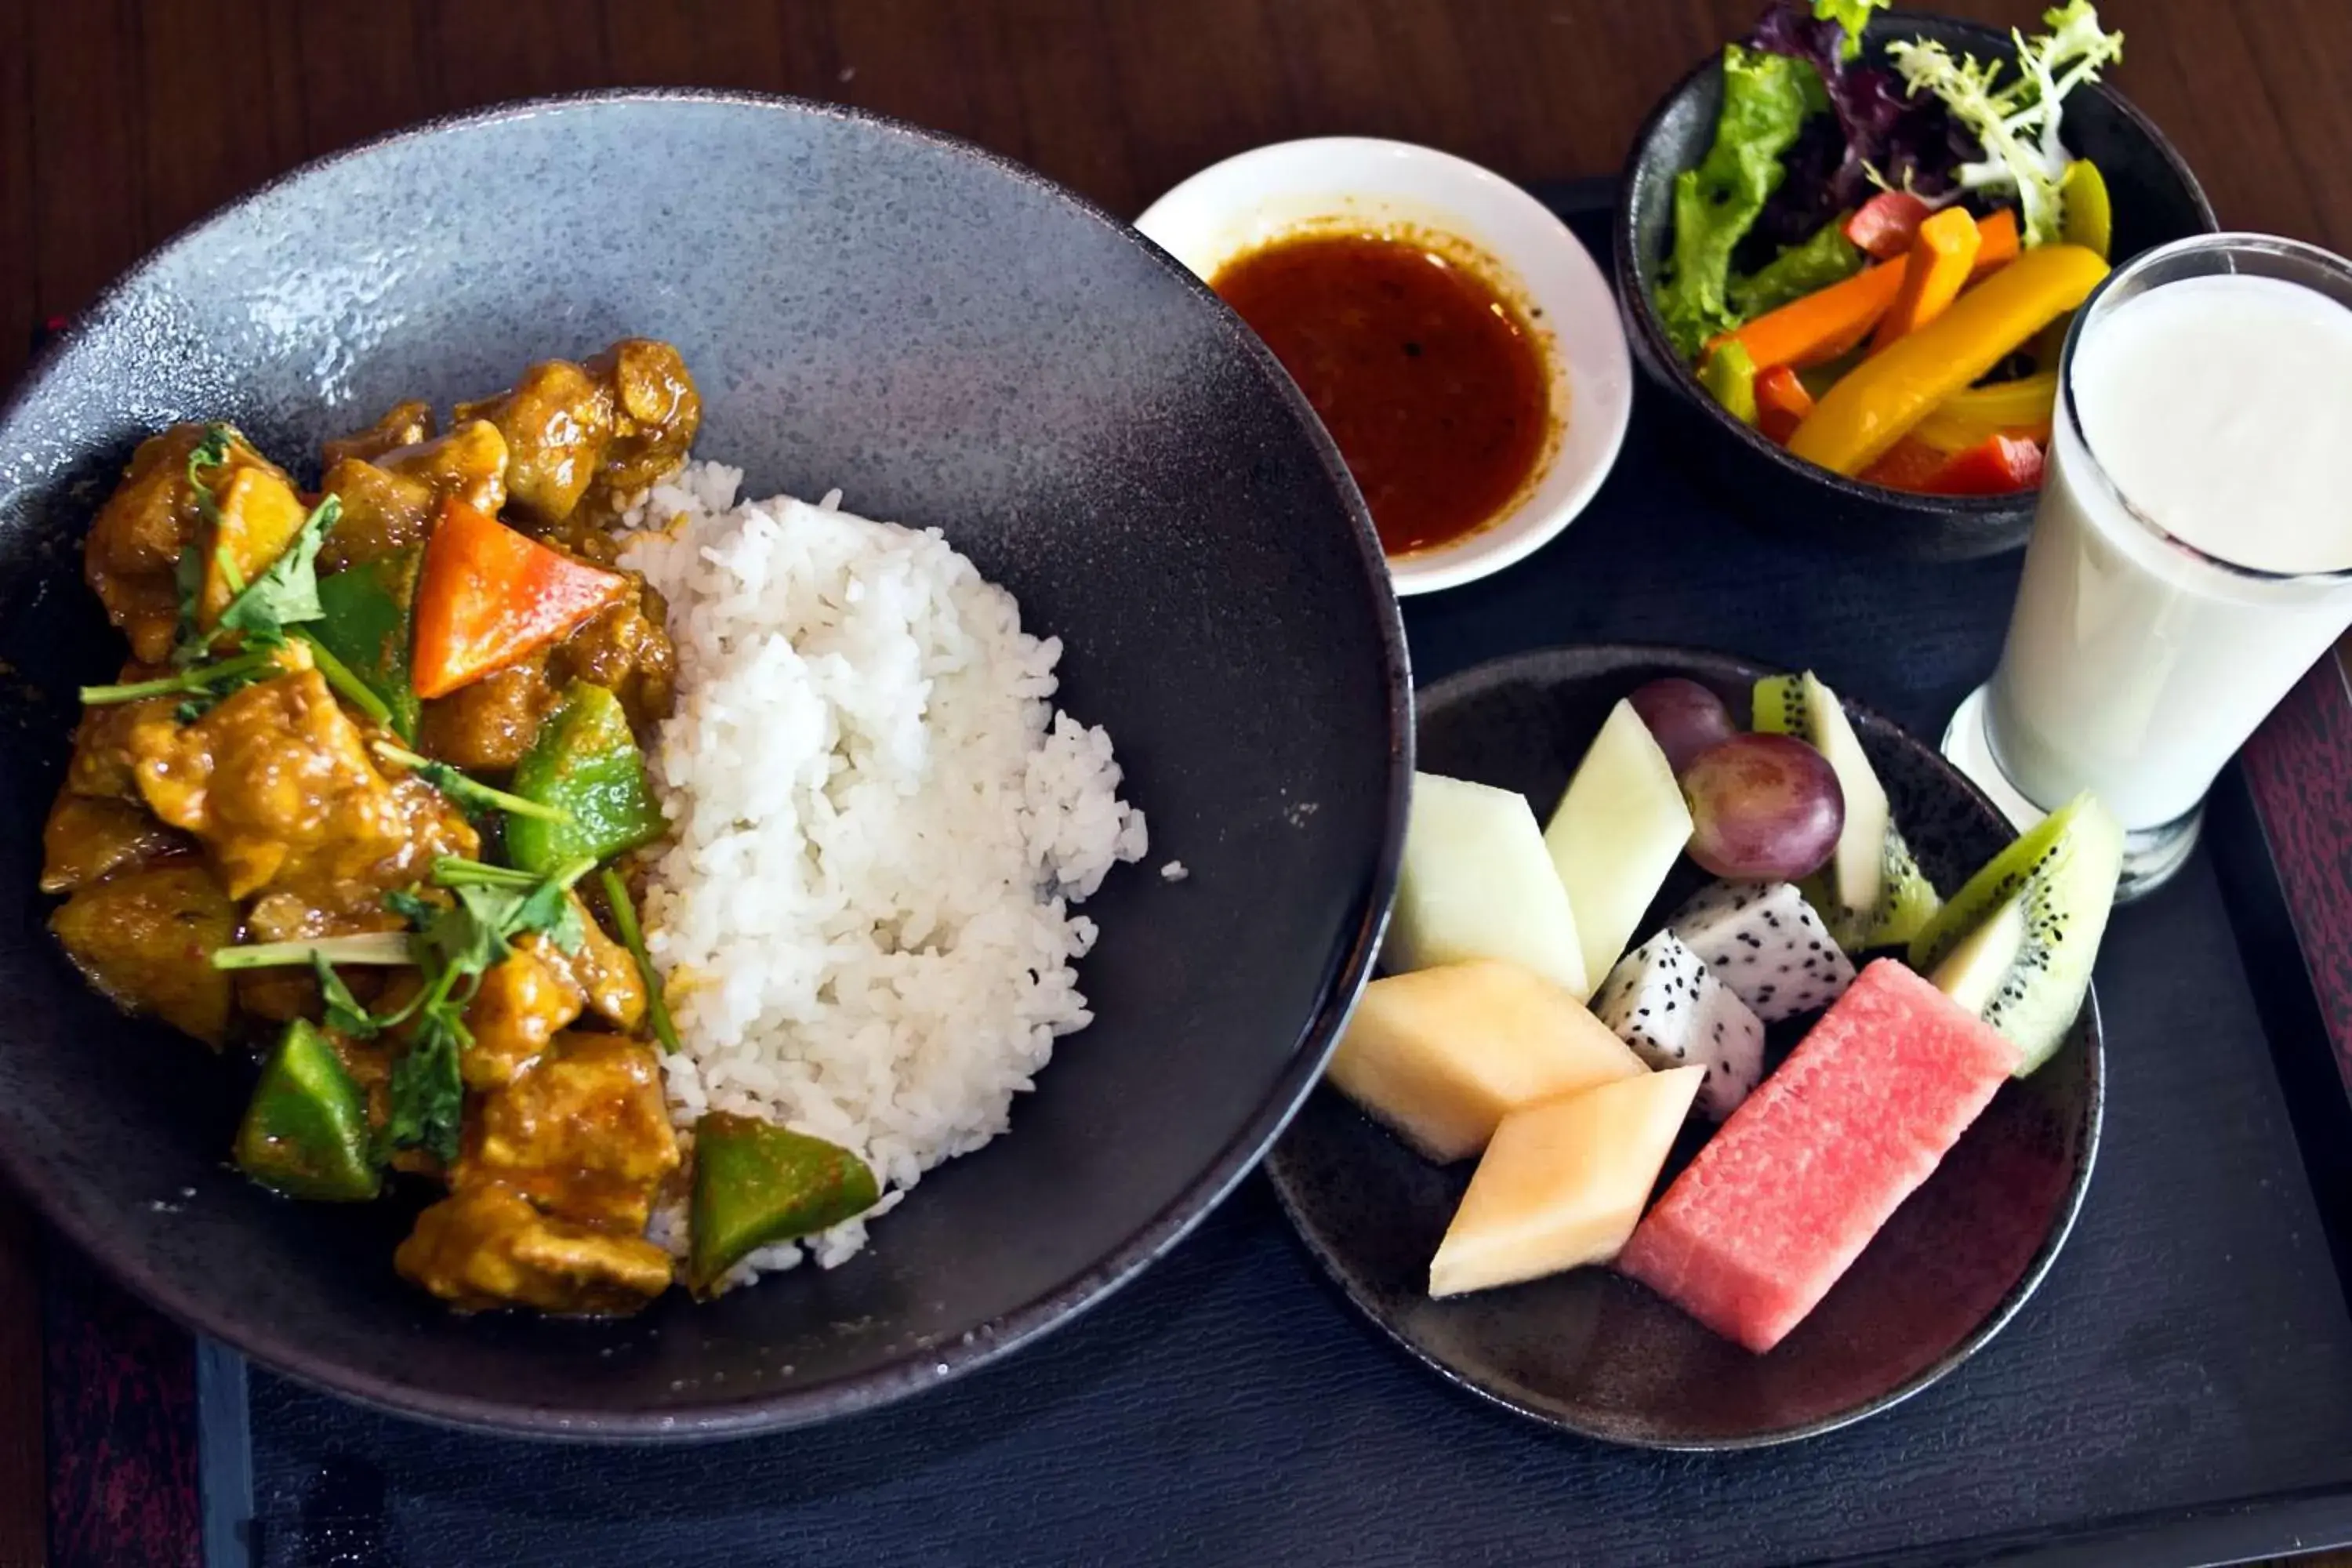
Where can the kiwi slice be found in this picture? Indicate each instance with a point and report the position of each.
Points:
(1907, 901)
(1871, 893)
(2017, 943)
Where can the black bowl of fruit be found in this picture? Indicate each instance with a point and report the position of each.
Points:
(1850, 249)
(1745, 1096)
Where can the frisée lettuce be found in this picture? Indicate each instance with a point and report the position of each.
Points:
(2016, 122)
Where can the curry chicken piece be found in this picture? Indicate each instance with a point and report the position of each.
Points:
(87, 839)
(135, 544)
(391, 496)
(606, 976)
(277, 783)
(486, 1247)
(626, 649)
(583, 1133)
(409, 424)
(146, 937)
(618, 422)
(383, 513)
(520, 1003)
(487, 725)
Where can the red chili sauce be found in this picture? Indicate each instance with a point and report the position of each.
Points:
(1433, 385)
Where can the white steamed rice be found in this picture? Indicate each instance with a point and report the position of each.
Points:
(878, 825)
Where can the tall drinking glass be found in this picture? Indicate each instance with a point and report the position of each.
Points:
(2192, 549)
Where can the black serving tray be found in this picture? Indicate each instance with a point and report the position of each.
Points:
(2180, 1391)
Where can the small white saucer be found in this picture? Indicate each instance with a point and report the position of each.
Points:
(1346, 181)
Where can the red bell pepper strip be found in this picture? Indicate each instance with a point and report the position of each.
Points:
(1999, 465)
(1882, 226)
(1782, 403)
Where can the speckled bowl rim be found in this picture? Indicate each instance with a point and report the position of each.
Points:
(1521, 666)
(908, 1373)
(1648, 332)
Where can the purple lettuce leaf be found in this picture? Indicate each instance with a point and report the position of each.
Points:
(1912, 142)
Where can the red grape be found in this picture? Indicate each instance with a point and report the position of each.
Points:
(1763, 807)
(1685, 718)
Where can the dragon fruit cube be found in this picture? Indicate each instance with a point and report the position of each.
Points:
(1661, 1000)
(1767, 943)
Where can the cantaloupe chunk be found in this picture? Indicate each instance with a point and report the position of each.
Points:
(1615, 834)
(1441, 1055)
(1477, 884)
(1564, 1183)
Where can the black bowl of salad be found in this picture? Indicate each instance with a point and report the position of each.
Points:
(1850, 247)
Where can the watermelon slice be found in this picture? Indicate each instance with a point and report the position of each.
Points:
(1754, 1233)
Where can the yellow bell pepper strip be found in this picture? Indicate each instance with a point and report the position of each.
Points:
(1823, 324)
(2019, 409)
(1888, 394)
(1943, 253)
(1996, 244)
(2088, 217)
(1729, 377)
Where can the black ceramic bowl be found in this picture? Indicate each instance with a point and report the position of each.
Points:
(1590, 1352)
(2156, 200)
(957, 342)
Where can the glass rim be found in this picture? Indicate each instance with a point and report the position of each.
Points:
(2225, 239)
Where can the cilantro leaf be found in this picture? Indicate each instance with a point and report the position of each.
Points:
(287, 591)
(473, 797)
(343, 1010)
(427, 1096)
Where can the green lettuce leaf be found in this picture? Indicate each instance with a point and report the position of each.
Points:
(1829, 257)
(1766, 97)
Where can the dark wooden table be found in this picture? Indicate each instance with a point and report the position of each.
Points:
(122, 122)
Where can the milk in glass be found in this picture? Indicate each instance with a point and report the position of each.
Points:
(2218, 408)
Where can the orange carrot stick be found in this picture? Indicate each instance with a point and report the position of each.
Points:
(1825, 323)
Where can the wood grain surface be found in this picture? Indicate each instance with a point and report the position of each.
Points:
(122, 121)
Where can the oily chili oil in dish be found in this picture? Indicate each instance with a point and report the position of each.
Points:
(1432, 383)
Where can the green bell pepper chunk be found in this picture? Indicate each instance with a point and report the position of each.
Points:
(756, 1184)
(367, 619)
(306, 1131)
(587, 764)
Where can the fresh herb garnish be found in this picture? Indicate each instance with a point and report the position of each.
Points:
(375, 947)
(286, 593)
(347, 686)
(213, 681)
(624, 916)
(343, 1010)
(471, 794)
(454, 946)
(425, 1100)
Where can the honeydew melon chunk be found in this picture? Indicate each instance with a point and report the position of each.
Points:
(1617, 832)
(1477, 884)
(1564, 1183)
(1800, 705)
(1441, 1055)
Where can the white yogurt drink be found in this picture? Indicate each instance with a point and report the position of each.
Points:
(2195, 518)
